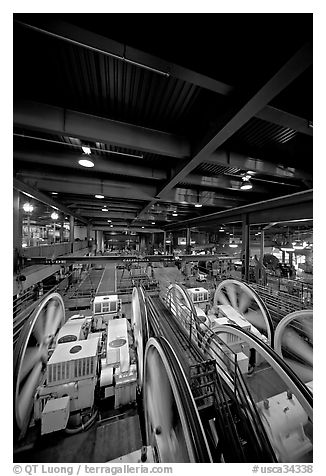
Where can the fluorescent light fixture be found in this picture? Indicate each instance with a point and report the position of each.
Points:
(54, 193)
(54, 216)
(221, 230)
(246, 185)
(174, 214)
(86, 149)
(109, 221)
(99, 196)
(198, 205)
(233, 244)
(28, 208)
(143, 227)
(168, 241)
(153, 222)
(250, 172)
(86, 163)
(105, 210)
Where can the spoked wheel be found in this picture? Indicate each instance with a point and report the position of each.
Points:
(139, 323)
(245, 301)
(31, 355)
(173, 425)
(294, 342)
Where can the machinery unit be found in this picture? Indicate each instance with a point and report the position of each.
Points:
(284, 420)
(76, 328)
(55, 415)
(118, 374)
(117, 352)
(72, 362)
(105, 308)
(72, 371)
(199, 296)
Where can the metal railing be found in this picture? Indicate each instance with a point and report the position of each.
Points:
(54, 250)
(214, 348)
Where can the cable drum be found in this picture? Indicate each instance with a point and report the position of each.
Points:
(31, 355)
(173, 426)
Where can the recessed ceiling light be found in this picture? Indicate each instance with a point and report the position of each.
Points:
(86, 163)
(86, 150)
(111, 226)
(109, 221)
(99, 196)
(143, 227)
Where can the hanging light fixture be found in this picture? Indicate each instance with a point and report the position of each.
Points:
(246, 184)
(86, 149)
(86, 162)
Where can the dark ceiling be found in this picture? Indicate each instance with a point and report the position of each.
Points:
(175, 107)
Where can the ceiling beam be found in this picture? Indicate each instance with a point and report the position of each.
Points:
(300, 204)
(94, 42)
(29, 114)
(120, 51)
(56, 120)
(82, 186)
(105, 215)
(35, 193)
(105, 164)
(285, 119)
(243, 162)
(244, 112)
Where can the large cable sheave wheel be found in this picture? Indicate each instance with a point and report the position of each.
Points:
(246, 302)
(139, 323)
(31, 354)
(294, 342)
(173, 425)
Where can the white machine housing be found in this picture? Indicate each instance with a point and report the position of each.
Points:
(284, 420)
(55, 415)
(71, 371)
(76, 328)
(105, 308)
(199, 296)
(72, 361)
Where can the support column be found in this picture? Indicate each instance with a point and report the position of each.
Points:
(164, 242)
(61, 229)
(71, 228)
(88, 231)
(245, 247)
(188, 240)
(142, 242)
(262, 245)
(72, 232)
(17, 227)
